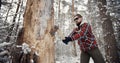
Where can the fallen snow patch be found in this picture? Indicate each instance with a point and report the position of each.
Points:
(25, 48)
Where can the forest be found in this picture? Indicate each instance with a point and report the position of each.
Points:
(32, 31)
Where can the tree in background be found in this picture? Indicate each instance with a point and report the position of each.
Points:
(0, 4)
(108, 32)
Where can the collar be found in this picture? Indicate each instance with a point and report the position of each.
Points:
(81, 24)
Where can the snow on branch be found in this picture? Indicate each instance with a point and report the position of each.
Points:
(25, 48)
(10, 15)
(4, 44)
(4, 52)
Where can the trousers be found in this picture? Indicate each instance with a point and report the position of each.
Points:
(94, 53)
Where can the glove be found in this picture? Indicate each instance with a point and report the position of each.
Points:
(66, 40)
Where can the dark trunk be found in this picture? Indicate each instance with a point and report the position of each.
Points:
(108, 32)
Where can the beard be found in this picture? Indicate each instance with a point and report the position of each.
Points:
(78, 24)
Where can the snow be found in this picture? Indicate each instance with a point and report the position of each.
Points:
(4, 44)
(81, 8)
(64, 54)
(25, 48)
(112, 14)
(36, 53)
(66, 8)
(31, 61)
(69, 1)
(3, 52)
(85, 1)
(65, 59)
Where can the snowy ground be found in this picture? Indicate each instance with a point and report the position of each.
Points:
(66, 56)
(65, 59)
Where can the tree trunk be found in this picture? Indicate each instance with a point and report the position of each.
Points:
(109, 38)
(38, 23)
(0, 4)
(74, 43)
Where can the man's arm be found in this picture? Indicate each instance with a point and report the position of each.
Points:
(75, 36)
(67, 39)
(72, 33)
(81, 33)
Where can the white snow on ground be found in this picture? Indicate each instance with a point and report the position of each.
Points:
(65, 59)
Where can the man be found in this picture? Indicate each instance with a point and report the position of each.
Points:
(86, 41)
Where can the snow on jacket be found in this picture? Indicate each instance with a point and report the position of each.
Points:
(85, 37)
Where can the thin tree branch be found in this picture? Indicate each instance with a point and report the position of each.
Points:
(8, 13)
(14, 19)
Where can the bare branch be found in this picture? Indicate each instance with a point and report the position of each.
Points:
(8, 13)
(14, 19)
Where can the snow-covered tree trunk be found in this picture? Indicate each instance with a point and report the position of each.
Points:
(37, 32)
(109, 38)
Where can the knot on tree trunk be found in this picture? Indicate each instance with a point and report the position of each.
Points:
(53, 30)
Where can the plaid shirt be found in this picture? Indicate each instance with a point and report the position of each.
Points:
(85, 37)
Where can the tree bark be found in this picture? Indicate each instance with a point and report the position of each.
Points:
(74, 43)
(0, 4)
(109, 37)
(37, 25)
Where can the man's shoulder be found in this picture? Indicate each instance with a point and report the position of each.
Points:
(75, 29)
(85, 24)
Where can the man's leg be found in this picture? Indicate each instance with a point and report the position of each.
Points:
(85, 57)
(96, 56)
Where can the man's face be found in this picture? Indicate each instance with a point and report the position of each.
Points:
(77, 20)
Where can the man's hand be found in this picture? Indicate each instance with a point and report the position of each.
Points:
(66, 40)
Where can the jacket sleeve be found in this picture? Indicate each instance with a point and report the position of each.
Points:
(81, 33)
(72, 33)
